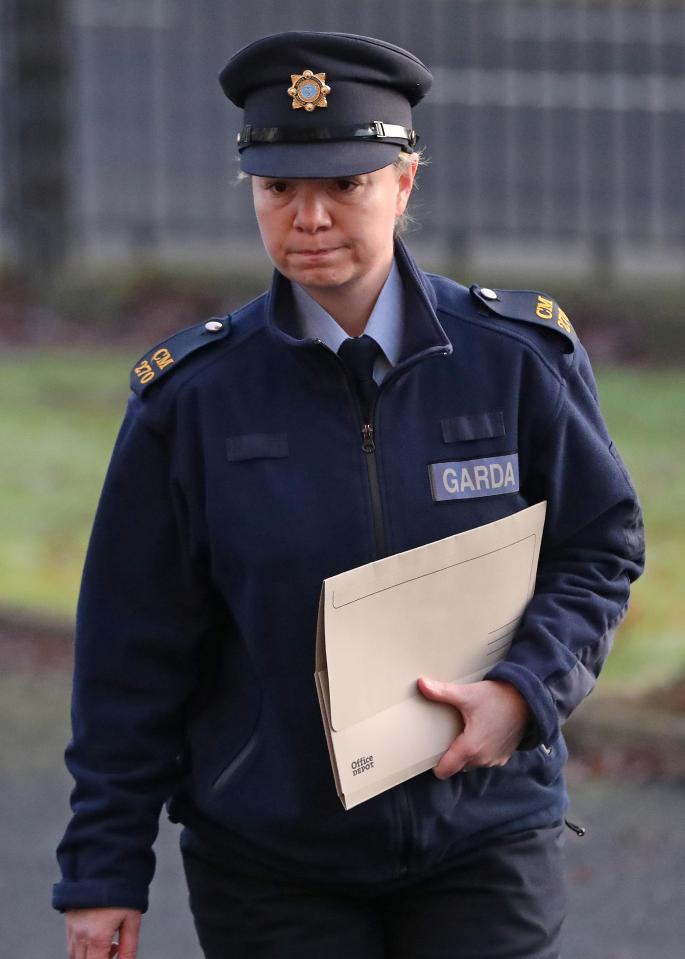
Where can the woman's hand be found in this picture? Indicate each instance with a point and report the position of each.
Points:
(495, 717)
(90, 933)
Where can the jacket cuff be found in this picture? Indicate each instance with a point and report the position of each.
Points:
(99, 894)
(544, 726)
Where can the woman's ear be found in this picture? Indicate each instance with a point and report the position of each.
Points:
(405, 183)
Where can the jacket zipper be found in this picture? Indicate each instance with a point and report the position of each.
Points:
(369, 449)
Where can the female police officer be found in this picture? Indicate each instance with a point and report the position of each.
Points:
(265, 451)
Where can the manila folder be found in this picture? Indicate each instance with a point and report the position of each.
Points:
(448, 611)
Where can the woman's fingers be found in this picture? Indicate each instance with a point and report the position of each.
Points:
(90, 933)
(128, 936)
(495, 716)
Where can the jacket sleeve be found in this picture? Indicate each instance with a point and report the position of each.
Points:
(592, 549)
(144, 609)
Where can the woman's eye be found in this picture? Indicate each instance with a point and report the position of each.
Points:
(279, 186)
(346, 186)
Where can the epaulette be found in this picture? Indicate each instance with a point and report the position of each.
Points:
(170, 353)
(528, 306)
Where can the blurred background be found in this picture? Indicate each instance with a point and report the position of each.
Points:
(555, 133)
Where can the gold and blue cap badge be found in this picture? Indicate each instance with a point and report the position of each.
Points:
(308, 90)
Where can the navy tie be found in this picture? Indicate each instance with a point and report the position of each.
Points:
(359, 354)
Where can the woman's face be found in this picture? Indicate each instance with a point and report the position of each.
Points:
(332, 233)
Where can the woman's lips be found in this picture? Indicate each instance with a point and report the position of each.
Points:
(325, 251)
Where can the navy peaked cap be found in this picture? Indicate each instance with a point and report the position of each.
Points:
(323, 104)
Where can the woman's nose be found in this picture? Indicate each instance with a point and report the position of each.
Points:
(311, 213)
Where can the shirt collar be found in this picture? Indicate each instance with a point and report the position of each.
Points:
(384, 325)
(422, 333)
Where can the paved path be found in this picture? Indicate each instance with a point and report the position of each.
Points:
(625, 876)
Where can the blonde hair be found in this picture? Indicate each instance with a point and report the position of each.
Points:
(402, 162)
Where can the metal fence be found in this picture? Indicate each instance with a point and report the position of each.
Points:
(555, 126)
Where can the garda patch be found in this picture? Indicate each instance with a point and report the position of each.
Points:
(468, 479)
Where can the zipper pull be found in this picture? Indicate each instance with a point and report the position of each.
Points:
(368, 444)
(578, 830)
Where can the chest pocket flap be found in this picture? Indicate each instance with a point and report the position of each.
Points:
(251, 446)
(473, 426)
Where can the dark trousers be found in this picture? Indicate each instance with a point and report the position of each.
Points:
(504, 900)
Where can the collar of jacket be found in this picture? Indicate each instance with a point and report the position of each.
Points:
(422, 335)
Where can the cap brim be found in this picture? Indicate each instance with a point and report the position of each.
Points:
(317, 160)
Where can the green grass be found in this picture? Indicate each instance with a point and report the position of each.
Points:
(645, 410)
(59, 413)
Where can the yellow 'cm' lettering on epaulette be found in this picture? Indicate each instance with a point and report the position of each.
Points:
(545, 310)
(161, 358)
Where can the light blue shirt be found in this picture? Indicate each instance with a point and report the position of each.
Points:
(384, 325)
